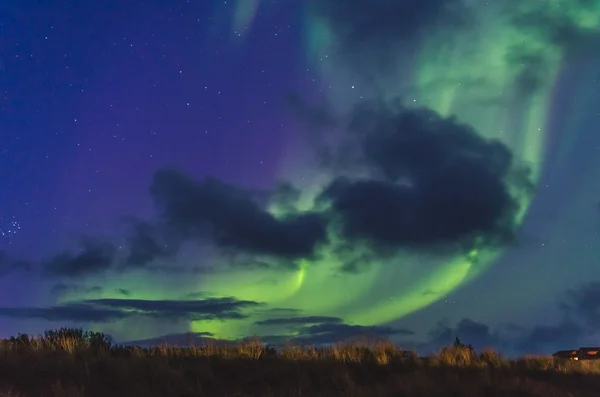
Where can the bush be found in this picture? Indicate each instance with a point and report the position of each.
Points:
(73, 362)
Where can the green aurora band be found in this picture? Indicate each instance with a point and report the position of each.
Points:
(468, 73)
(475, 75)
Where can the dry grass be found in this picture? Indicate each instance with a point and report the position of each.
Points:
(71, 363)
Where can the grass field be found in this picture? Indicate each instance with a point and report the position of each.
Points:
(73, 363)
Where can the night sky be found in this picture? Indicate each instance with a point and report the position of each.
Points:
(302, 170)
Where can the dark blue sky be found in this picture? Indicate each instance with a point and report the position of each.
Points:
(94, 100)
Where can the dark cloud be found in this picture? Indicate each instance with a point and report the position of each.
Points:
(108, 310)
(327, 333)
(576, 328)
(509, 340)
(471, 332)
(427, 182)
(93, 256)
(300, 320)
(123, 291)
(327, 330)
(71, 313)
(434, 181)
(286, 196)
(144, 245)
(548, 339)
(193, 310)
(9, 265)
(231, 218)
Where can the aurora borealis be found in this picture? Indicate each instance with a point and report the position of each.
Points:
(303, 170)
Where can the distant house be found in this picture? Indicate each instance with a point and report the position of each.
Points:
(589, 353)
(566, 354)
(583, 353)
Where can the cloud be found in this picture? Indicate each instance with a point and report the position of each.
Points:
(9, 265)
(93, 256)
(324, 330)
(551, 338)
(320, 330)
(576, 328)
(327, 333)
(109, 310)
(471, 332)
(509, 340)
(432, 181)
(402, 179)
(300, 320)
(206, 309)
(72, 312)
(230, 218)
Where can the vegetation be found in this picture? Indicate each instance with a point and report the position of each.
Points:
(74, 363)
